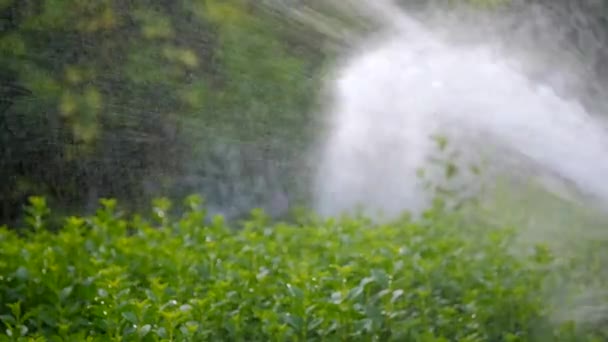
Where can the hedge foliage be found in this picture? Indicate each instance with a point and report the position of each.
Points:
(176, 278)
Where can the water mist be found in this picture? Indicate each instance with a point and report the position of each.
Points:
(407, 84)
(497, 103)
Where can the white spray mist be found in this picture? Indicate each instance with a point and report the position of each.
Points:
(408, 84)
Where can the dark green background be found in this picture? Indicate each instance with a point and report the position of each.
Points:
(138, 99)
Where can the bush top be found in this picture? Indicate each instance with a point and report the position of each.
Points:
(106, 278)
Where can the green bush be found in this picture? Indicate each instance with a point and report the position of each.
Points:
(109, 278)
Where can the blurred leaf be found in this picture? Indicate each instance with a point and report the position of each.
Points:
(154, 25)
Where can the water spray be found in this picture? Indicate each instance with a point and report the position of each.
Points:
(407, 84)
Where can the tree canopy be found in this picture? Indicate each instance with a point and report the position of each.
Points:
(117, 98)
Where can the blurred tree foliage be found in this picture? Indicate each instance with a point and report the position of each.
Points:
(131, 99)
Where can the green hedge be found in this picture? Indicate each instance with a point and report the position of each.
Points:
(108, 278)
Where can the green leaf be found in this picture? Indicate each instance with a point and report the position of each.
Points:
(7, 319)
(22, 273)
(130, 317)
(295, 291)
(144, 330)
(296, 322)
(65, 293)
(396, 295)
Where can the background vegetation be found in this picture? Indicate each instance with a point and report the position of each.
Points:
(137, 98)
